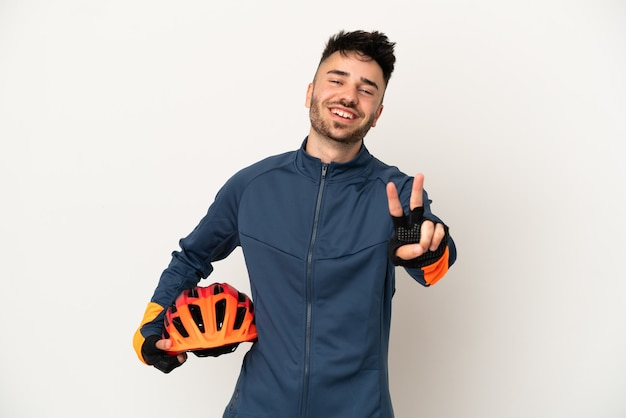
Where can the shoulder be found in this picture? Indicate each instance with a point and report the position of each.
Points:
(387, 173)
(241, 179)
(263, 166)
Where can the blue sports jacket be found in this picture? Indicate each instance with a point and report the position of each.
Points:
(315, 241)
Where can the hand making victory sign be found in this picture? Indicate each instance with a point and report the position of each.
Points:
(414, 235)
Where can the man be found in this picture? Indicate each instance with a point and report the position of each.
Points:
(321, 249)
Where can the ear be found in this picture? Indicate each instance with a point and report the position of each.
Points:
(309, 93)
(378, 112)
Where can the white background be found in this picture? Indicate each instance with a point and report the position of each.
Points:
(119, 121)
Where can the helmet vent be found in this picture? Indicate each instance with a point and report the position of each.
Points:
(220, 312)
(218, 289)
(178, 324)
(193, 293)
(167, 325)
(241, 315)
(196, 314)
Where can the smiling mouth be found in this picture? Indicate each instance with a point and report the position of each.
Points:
(343, 114)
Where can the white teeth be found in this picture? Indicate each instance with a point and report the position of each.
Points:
(343, 114)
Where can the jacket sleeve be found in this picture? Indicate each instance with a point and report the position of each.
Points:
(214, 238)
(432, 273)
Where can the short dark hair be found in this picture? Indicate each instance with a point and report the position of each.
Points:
(374, 45)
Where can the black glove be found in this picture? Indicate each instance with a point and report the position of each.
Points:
(158, 358)
(407, 231)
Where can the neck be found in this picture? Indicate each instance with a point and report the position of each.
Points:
(329, 150)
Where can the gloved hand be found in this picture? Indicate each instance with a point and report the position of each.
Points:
(426, 240)
(153, 352)
(407, 230)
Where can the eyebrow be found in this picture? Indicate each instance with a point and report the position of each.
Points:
(347, 74)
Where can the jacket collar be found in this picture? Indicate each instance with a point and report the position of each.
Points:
(312, 167)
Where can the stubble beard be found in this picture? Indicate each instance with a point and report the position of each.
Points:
(324, 128)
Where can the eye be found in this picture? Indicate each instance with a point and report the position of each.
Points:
(366, 91)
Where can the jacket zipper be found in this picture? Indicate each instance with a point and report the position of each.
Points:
(234, 400)
(309, 292)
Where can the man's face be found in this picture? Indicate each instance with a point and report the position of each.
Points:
(345, 98)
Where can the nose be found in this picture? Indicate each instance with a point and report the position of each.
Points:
(348, 96)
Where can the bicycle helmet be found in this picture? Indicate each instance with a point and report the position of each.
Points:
(209, 321)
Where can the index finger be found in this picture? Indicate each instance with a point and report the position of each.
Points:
(417, 191)
(395, 207)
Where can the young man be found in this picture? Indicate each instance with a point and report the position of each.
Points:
(322, 229)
